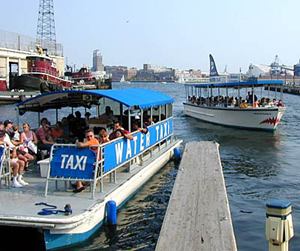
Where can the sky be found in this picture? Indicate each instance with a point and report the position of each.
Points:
(173, 33)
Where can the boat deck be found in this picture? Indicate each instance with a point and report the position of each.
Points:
(19, 203)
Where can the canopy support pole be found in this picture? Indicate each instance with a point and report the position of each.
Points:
(129, 120)
(39, 118)
(253, 96)
(18, 117)
(227, 96)
(142, 119)
(56, 114)
(159, 116)
(121, 113)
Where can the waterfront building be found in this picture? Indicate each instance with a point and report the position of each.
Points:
(97, 61)
(191, 76)
(14, 48)
(155, 73)
(131, 73)
(116, 72)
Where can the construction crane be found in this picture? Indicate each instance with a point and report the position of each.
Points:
(46, 37)
(278, 69)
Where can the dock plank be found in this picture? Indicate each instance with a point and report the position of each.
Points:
(198, 215)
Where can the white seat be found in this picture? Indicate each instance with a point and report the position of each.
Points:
(5, 173)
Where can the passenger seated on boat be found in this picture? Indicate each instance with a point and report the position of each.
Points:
(91, 142)
(269, 103)
(280, 103)
(137, 128)
(194, 99)
(16, 136)
(243, 104)
(65, 127)
(108, 115)
(45, 140)
(263, 102)
(103, 136)
(16, 164)
(149, 121)
(79, 126)
(118, 129)
(87, 116)
(57, 133)
(256, 104)
(28, 139)
(275, 102)
(71, 119)
(22, 154)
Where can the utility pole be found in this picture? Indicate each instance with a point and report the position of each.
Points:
(46, 37)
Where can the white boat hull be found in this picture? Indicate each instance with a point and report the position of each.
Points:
(95, 216)
(249, 118)
(59, 230)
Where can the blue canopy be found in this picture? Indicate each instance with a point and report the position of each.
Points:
(242, 84)
(133, 97)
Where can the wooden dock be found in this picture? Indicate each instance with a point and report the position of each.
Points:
(198, 215)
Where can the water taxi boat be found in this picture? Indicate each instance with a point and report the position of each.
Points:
(115, 172)
(236, 104)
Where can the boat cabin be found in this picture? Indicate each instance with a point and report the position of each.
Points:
(41, 64)
(242, 94)
(134, 109)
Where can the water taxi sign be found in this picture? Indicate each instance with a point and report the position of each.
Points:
(122, 150)
(73, 162)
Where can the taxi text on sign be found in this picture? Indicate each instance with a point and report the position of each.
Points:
(73, 162)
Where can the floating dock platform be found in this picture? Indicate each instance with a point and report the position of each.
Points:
(10, 97)
(288, 88)
(198, 215)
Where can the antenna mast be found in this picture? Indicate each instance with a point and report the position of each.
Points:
(46, 37)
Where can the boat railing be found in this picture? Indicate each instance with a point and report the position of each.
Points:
(70, 163)
(43, 70)
(5, 171)
(236, 107)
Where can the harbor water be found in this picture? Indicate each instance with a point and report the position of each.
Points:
(257, 166)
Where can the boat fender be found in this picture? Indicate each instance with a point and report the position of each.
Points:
(111, 212)
(177, 153)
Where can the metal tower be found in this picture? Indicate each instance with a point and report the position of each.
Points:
(46, 37)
